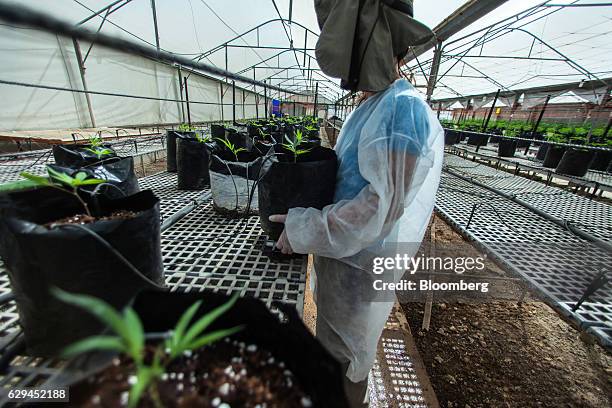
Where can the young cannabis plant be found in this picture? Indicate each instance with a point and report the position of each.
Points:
(202, 138)
(99, 152)
(184, 127)
(95, 141)
(294, 146)
(264, 136)
(56, 179)
(232, 147)
(129, 339)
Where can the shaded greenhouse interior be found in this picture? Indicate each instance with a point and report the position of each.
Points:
(547, 228)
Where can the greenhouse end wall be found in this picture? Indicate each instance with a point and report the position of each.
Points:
(42, 59)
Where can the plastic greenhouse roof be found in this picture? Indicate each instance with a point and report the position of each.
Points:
(568, 97)
(547, 44)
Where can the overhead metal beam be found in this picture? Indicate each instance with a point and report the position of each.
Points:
(464, 16)
(540, 89)
(155, 23)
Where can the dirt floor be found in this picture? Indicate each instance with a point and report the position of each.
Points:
(501, 354)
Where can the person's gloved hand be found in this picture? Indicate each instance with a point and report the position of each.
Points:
(283, 242)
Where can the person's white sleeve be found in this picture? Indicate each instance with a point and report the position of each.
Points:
(390, 150)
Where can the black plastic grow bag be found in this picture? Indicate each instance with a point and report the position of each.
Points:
(602, 160)
(317, 372)
(192, 164)
(38, 258)
(542, 151)
(477, 139)
(451, 137)
(506, 147)
(239, 139)
(171, 138)
(117, 171)
(311, 182)
(575, 162)
(553, 156)
(232, 183)
(77, 155)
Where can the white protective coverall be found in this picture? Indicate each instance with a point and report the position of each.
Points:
(390, 153)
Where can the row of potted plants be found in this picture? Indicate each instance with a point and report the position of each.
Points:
(71, 250)
(573, 161)
(261, 167)
(552, 132)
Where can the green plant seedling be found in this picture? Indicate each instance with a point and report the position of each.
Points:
(95, 141)
(231, 147)
(202, 138)
(129, 338)
(99, 152)
(56, 179)
(184, 127)
(294, 146)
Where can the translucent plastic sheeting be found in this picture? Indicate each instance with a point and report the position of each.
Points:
(34, 57)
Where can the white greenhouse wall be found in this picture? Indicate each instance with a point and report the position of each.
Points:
(34, 57)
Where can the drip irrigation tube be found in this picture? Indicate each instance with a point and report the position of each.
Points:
(558, 221)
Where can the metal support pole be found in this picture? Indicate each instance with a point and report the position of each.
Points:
(265, 99)
(486, 122)
(180, 75)
(305, 45)
(607, 130)
(187, 101)
(433, 74)
(439, 109)
(535, 127)
(155, 24)
(316, 97)
(226, 61)
(77, 50)
(222, 107)
(234, 102)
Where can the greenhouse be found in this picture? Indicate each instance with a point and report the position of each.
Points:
(329, 203)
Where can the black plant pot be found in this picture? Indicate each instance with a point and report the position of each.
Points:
(507, 148)
(217, 131)
(495, 138)
(171, 138)
(239, 139)
(553, 156)
(575, 162)
(542, 151)
(192, 159)
(451, 137)
(278, 137)
(262, 148)
(77, 155)
(477, 139)
(602, 160)
(38, 258)
(290, 342)
(232, 183)
(118, 172)
(310, 182)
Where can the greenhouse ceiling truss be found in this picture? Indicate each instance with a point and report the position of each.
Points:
(457, 50)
